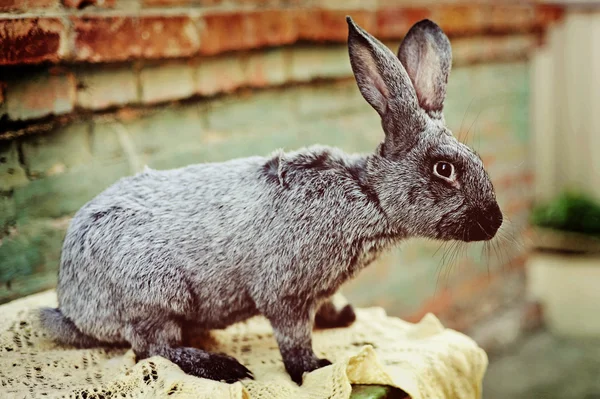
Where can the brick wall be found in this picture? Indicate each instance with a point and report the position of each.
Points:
(94, 90)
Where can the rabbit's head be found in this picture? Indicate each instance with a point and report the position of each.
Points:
(427, 182)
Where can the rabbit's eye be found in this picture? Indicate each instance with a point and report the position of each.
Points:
(444, 170)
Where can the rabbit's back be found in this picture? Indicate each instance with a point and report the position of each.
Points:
(156, 239)
(212, 240)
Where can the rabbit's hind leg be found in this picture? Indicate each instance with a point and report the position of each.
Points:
(164, 338)
(330, 316)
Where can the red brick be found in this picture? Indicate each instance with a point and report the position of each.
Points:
(255, 2)
(269, 28)
(86, 3)
(166, 82)
(30, 40)
(40, 95)
(116, 38)
(222, 74)
(104, 87)
(393, 23)
(25, 5)
(101, 39)
(167, 3)
(227, 31)
(266, 68)
(223, 32)
(510, 18)
(461, 19)
(331, 25)
(245, 30)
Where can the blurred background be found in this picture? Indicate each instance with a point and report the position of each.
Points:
(93, 90)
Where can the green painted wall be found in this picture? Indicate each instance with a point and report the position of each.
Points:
(45, 178)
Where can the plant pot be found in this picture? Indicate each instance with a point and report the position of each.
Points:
(566, 285)
(544, 239)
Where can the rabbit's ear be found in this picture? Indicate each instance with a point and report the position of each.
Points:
(381, 77)
(426, 55)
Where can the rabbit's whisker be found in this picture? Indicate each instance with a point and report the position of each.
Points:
(460, 131)
(448, 247)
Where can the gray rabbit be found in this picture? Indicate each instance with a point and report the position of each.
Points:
(162, 254)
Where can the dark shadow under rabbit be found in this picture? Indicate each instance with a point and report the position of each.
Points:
(201, 247)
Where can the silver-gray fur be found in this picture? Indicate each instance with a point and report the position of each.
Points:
(163, 253)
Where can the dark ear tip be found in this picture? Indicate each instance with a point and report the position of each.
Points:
(353, 28)
(351, 23)
(427, 25)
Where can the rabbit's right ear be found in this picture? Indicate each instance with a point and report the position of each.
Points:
(426, 55)
(381, 78)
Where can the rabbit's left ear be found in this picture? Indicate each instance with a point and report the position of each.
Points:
(426, 55)
(380, 76)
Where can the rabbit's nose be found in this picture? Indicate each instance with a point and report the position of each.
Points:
(484, 223)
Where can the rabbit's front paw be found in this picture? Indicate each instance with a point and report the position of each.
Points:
(297, 367)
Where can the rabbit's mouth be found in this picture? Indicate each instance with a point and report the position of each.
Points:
(483, 223)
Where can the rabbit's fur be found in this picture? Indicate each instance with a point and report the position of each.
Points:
(163, 253)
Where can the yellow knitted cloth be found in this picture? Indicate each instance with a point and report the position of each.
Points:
(424, 359)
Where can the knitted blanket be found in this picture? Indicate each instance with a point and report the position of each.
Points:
(423, 359)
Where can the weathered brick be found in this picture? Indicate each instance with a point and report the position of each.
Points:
(354, 132)
(58, 150)
(308, 63)
(510, 18)
(491, 49)
(351, 4)
(38, 95)
(226, 31)
(222, 32)
(31, 40)
(169, 3)
(331, 25)
(64, 194)
(27, 285)
(11, 173)
(101, 38)
(166, 82)
(169, 129)
(100, 88)
(26, 5)
(460, 19)
(106, 145)
(158, 139)
(115, 38)
(257, 111)
(267, 68)
(394, 22)
(269, 28)
(31, 248)
(328, 99)
(8, 212)
(219, 74)
(86, 3)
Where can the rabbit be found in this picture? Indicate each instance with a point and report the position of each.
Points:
(163, 254)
